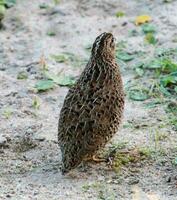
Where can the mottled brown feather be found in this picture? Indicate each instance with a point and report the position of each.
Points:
(93, 107)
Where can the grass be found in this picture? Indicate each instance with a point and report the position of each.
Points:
(70, 59)
(101, 190)
(128, 157)
(36, 103)
(7, 113)
(22, 75)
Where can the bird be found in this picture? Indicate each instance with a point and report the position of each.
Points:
(93, 107)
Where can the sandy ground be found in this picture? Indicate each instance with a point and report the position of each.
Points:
(29, 154)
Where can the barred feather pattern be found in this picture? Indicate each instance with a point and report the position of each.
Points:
(93, 108)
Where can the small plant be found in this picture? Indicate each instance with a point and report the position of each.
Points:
(51, 33)
(148, 28)
(60, 58)
(36, 103)
(138, 94)
(56, 2)
(150, 38)
(124, 56)
(51, 80)
(120, 14)
(7, 113)
(125, 158)
(22, 75)
(44, 85)
(43, 6)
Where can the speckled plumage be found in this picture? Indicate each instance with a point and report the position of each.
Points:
(93, 107)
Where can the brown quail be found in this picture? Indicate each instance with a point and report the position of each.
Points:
(93, 107)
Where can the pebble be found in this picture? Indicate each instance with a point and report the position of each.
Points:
(39, 138)
(168, 179)
(8, 196)
(3, 141)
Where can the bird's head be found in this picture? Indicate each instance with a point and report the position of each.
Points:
(104, 45)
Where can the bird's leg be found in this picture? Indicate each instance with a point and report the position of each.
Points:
(94, 158)
(97, 159)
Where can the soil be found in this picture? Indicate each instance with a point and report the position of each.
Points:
(30, 157)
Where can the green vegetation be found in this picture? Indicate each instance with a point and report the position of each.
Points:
(9, 3)
(120, 14)
(44, 85)
(101, 190)
(150, 38)
(138, 94)
(22, 75)
(125, 158)
(36, 103)
(51, 80)
(148, 28)
(51, 33)
(7, 113)
(60, 79)
(60, 58)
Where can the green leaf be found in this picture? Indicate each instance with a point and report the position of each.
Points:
(43, 6)
(138, 95)
(164, 65)
(51, 33)
(168, 66)
(44, 85)
(120, 14)
(169, 79)
(164, 90)
(150, 38)
(10, 3)
(152, 104)
(148, 28)
(124, 56)
(61, 80)
(66, 81)
(60, 58)
(2, 12)
(56, 2)
(22, 75)
(153, 64)
(139, 64)
(51, 76)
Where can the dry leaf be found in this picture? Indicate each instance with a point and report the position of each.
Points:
(43, 63)
(142, 19)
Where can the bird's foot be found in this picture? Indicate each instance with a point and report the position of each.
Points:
(95, 158)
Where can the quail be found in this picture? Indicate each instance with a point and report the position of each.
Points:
(93, 107)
